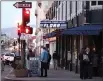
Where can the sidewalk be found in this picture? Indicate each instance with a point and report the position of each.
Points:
(53, 75)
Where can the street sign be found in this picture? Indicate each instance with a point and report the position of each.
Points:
(23, 5)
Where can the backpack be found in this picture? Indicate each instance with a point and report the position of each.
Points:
(49, 58)
(85, 57)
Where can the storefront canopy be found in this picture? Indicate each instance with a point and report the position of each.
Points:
(88, 29)
(52, 34)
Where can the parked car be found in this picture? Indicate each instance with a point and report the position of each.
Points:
(8, 58)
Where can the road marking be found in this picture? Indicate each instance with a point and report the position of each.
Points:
(9, 73)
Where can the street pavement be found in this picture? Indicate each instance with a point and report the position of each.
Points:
(53, 75)
(6, 71)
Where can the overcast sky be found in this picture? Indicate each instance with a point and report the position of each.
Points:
(11, 15)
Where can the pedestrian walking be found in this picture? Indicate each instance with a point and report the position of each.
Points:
(89, 62)
(84, 63)
(81, 63)
(95, 62)
(55, 59)
(44, 61)
(49, 59)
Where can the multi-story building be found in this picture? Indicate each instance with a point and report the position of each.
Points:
(66, 11)
(68, 43)
(40, 13)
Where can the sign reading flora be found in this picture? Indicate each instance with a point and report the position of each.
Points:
(53, 24)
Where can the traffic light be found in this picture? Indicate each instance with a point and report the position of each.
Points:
(26, 16)
(28, 30)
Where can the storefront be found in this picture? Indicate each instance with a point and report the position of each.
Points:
(78, 37)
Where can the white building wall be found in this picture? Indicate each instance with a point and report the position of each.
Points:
(41, 15)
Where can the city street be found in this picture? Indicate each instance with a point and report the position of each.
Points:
(66, 34)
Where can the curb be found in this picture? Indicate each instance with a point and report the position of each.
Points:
(47, 79)
(8, 78)
(42, 79)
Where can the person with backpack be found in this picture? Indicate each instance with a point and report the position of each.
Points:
(44, 61)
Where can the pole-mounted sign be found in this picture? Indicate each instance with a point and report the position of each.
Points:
(23, 4)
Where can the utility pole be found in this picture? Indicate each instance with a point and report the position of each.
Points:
(102, 45)
(23, 28)
(19, 35)
(23, 41)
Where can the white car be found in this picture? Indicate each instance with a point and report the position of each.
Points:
(9, 57)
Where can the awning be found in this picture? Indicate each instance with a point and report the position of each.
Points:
(88, 29)
(52, 34)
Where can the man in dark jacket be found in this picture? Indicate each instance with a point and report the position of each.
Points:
(49, 59)
(95, 62)
(82, 75)
(55, 59)
(44, 61)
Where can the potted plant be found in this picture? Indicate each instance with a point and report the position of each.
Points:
(20, 71)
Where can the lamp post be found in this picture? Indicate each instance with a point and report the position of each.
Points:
(102, 46)
(19, 40)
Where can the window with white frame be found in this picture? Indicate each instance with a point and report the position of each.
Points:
(79, 7)
(60, 7)
(100, 2)
(68, 10)
(93, 3)
(58, 13)
(64, 10)
(73, 9)
(70, 7)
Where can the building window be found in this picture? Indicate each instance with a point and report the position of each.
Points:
(100, 2)
(70, 7)
(59, 2)
(66, 11)
(93, 3)
(62, 11)
(58, 13)
(56, 4)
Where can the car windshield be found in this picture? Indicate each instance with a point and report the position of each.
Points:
(9, 55)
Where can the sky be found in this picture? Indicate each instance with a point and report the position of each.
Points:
(10, 15)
